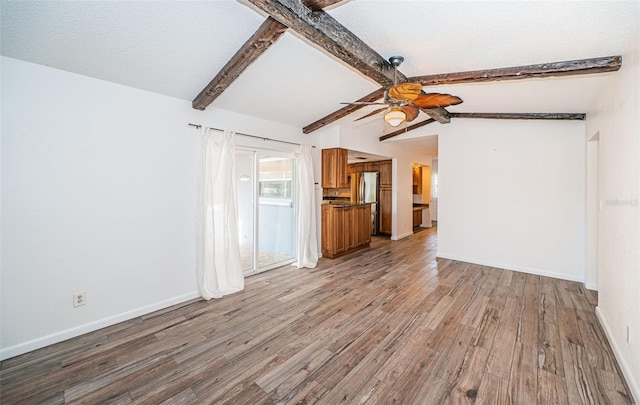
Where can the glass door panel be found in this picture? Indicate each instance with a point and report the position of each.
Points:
(245, 171)
(276, 218)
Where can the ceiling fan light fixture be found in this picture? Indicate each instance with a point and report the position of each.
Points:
(395, 117)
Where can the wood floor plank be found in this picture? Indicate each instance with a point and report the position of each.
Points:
(347, 389)
(299, 365)
(118, 381)
(487, 326)
(434, 390)
(183, 398)
(613, 389)
(582, 383)
(551, 388)
(331, 374)
(451, 361)
(523, 381)
(391, 370)
(178, 383)
(563, 294)
(595, 342)
(408, 386)
(501, 354)
(309, 392)
(493, 390)
(469, 377)
(549, 348)
(389, 324)
(126, 373)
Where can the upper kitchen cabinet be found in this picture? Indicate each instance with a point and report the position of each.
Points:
(334, 168)
(417, 179)
(384, 167)
(422, 183)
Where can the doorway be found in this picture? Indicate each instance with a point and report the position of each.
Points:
(266, 212)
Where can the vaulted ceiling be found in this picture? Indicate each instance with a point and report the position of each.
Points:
(176, 49)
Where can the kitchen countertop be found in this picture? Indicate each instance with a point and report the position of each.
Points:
(339, 204)
(418, 207)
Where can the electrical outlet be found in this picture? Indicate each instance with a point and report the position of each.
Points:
(79, 299)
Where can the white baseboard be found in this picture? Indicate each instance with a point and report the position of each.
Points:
(632, 381)
(404, 235)
(15, 350)
(591, 286)
(520, 269)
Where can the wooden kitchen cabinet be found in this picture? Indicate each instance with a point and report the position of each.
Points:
(363, 167)
(345, 229)
(363, 217)
(385, 210)
(333, 242)
(384, 167)
(334, 168)
(384, 202)
(417, 179)
(417, 218)
(373, 167)
(350, 228)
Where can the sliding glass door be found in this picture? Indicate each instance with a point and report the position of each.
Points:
(265, 209)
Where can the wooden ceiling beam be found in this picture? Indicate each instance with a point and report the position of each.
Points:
(269, 32)
(565, 68)
(321, 29)
(316, 5)
(344, 111)
(407, 129)
(495, 116)
(522, 116)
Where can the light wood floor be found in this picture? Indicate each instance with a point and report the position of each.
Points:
(388, 324)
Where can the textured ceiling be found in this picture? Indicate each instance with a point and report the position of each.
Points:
(176, 47)
(449, 36)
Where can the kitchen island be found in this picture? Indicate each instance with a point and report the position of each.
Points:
(346, 227)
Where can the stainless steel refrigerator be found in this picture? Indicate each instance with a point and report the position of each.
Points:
(367, 192)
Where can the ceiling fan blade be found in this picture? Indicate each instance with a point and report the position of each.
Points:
(374, 112)
(364, 103)
(411, 112)
(407, 91)
(435, 100)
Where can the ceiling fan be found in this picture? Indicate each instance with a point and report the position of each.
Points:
(403, 102)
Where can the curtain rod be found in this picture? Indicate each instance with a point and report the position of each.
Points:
(252, 136)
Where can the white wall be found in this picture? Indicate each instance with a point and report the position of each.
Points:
(512, 195)
(616, 117)
(99, 196)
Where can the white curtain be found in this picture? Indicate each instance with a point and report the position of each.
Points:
(219, 270)
(307, 239)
